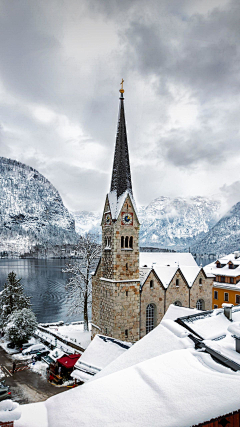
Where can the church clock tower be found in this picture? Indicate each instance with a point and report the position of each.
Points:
(116, 285)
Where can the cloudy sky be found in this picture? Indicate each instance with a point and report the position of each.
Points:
(61, 64)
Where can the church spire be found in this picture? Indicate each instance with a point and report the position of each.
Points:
(121, 175)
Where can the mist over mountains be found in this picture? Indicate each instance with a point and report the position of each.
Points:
(32, 213)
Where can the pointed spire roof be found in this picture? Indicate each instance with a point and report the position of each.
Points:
(121, 175)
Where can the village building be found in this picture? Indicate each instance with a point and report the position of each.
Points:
(131, 291)
(226, 285)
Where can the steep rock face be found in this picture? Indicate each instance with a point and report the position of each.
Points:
(31, 209)
(177, 223)
(165, 222)
(224, 237)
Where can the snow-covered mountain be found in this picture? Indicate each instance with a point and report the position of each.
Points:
(224, 237)
(166, 222)
(31, 210)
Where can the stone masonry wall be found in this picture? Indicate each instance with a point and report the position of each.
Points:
(203, 291)
(155, 296)
(180, 293)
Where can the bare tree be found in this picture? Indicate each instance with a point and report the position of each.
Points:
(79, 285)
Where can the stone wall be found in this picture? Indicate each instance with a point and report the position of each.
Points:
(202, 291)
(177, 293)
(152, 295)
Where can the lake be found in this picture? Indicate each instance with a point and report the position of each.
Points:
(44, 281)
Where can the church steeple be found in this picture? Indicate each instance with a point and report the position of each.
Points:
(121, 175)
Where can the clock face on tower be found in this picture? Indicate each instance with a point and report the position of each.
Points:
(127, 218)
(107, 219)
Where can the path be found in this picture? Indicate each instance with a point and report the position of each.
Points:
(26, 386)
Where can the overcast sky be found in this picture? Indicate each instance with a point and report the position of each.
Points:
(61, 64)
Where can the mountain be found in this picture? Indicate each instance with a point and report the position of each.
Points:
(31, 210)
(224, 237)
(166, 222)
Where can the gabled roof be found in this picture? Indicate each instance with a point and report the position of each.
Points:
(116, 203)
(172, 259)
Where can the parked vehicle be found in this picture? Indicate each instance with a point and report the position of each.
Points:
(11, 345)
(40, 354)
(5, 392)
(26, 345)
(33, 349)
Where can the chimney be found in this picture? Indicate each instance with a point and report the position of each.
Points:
(234, 329)
(228, 310)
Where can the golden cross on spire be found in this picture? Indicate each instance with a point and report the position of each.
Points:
(121, 90)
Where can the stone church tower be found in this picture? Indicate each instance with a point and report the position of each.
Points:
(116, 285)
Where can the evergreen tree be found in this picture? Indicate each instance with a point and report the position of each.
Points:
(12, 298)
(21, 325)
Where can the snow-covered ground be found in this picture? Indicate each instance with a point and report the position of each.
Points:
(71, 332)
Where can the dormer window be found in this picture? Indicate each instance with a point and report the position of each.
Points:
(218, 264)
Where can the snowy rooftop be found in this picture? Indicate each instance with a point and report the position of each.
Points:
(162, 369)
(163, 259)
(116, 204)
(224, 270)
(102, 351)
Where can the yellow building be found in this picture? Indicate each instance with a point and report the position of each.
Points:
(226, 286)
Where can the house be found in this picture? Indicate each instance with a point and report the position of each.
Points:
(131, 291)
(226, 285)
(100, 352)
(186, 369)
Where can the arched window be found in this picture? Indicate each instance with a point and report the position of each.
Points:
(200, 304)
(178, 303)
(151, 284)
(122, 242)
(126, 242)
(150, 312)
(131, 242)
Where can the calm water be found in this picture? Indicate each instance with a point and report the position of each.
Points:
(45, 282)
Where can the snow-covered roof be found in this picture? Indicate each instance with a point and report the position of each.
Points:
(225, 270)
(165, 274)
(100, 352)
(116, 204)
(174, 312)
(182, 386)
(172, 259)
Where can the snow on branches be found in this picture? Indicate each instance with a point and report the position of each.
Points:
(79, 285)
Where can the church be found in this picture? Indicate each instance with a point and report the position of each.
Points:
(131, 291)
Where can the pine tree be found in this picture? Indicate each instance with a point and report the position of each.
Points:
(21, 325)
(12, 298)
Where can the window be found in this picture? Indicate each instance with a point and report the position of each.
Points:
(226, 296)
(131, 242)
(151, 284)
(200, 304)
(215, 306)
(126, 293)
(215, 294)
(218, 265)
(127, 242)
(178, 303)
(231, 280)
(108, 242)
(200, 281)
(222, 279)
(150, 318)
(237, 299)
(126, 333)
(177, 282)
(126, 266)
